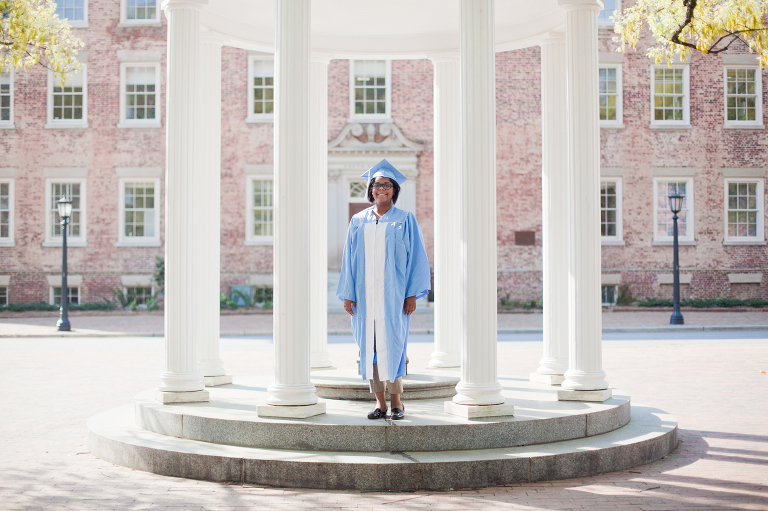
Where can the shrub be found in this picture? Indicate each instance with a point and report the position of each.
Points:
(625, 295)
(93, 306)
(29, 306)
(226, 303)
(705, 303)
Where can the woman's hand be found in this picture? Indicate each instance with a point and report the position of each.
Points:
(351, 306)
(410, 305)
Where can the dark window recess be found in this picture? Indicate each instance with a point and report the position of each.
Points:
(525, 238)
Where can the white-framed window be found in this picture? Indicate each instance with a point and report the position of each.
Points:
(260, 211)
(139, 12)
(6, 98)
(261, 89)
(609, 293)
(74, 189)
(662, 215)
(139, 212)
(743, 96)
(74, 11)
(73, 292)
(68, 104)
(611, 228)
(370, 90)
(609, 6)
(3, 295)
(6, 212)
(670, 96)
(744, 210)
(139, 294)
(139, 94)
(610, 91)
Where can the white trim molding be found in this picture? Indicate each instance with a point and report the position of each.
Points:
(757, 123)
(619, 94)
(250, 237)
(759, 210)
(8, 124)
(68, 123)
(610, 279)
(745, 278)
(139, 241)
(8, 241)
(386, 117)
(688, 238)
(139, 123)
(72, 241)
(618, 238)
(72, 280)
(669, 278)
(264, 62)
(144, 22)
(685, 122)
(136, 280)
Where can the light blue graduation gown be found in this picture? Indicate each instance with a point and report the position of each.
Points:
(384, 262)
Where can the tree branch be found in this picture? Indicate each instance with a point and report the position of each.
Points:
(690, 6)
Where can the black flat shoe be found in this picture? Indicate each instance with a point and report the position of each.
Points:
(398, 413)
(377, 414)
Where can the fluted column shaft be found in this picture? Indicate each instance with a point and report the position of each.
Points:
(318, 218)
(207, 250)
(182, 190)
(554, 183)
(292, 213)
(478, 385)
(447, 176)
(584, 303)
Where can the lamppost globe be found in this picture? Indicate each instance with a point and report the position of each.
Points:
(676, 205)
(65, 208)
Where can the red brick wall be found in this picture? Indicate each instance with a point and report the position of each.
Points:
(707, 147)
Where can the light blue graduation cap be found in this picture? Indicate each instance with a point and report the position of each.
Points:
(384, 169)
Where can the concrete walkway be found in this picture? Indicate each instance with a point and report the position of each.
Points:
(715, 389)
(261, 324)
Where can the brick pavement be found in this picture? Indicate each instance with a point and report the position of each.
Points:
(261, 324)
(52, 386)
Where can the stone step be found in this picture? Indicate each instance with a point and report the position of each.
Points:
(230, 417)
(348, 385)
(114, 436)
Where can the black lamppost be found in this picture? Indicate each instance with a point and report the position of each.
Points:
(65, 211)
(675, 204)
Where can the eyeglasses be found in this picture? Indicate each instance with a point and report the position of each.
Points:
(386, 186)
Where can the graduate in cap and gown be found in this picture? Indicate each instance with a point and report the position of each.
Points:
(384, 270)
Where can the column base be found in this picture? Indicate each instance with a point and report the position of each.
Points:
(320, 361)
(442, 360)
(547, 379)
(597, 396)
(214, 381)
(477, 411)
(291, 412)
(195, 396)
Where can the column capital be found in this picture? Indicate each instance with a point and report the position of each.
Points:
(592, 5)
(168, 5)
(448, 56)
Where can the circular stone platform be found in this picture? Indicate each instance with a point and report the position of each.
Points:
(351, 386)
(225, 440)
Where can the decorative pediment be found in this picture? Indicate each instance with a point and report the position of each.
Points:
(371, 138)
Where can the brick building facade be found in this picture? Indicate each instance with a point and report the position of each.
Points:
(664, 129)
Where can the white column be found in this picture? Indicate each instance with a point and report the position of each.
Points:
(292, 393)
(554, 184)
(585, 371)
(447, 176)
(478, 385)
(318, 218)
(207, 251)
(181, 380)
